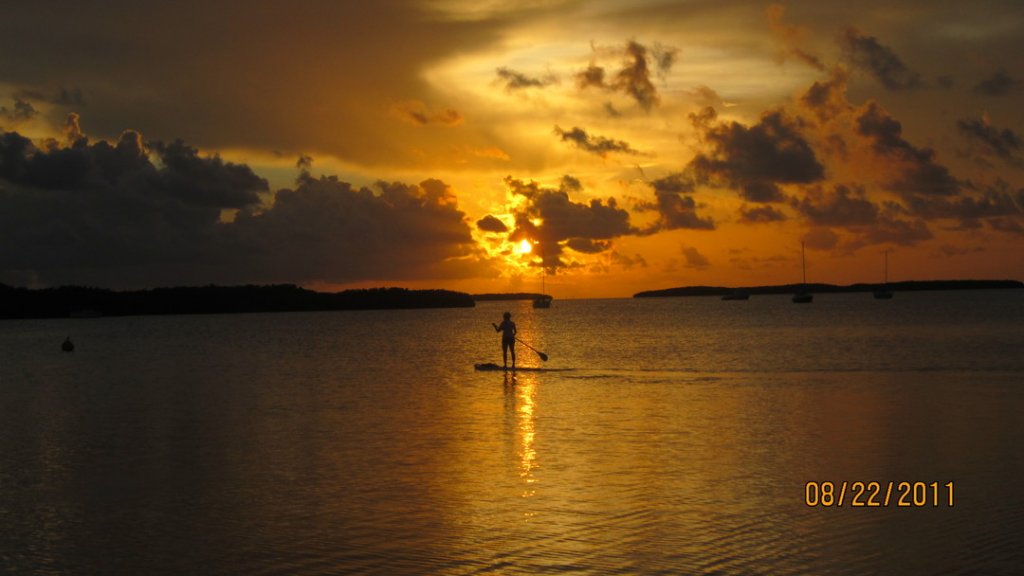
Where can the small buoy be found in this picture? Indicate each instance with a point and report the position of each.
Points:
(68, 345)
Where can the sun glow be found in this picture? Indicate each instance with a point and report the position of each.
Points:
(524, 247)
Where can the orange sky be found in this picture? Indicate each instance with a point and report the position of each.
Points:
(638, 145)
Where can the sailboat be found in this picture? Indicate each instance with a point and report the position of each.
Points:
(803, 296)
(884, 293)
(542, 301)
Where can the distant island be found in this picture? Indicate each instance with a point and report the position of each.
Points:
(507, 296)
(907, 286)
(84, 302)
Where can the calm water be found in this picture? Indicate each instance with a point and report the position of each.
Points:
(679, 440)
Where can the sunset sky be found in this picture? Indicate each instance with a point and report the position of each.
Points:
(633, 144)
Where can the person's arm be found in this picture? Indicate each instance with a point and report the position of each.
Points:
(496, 327)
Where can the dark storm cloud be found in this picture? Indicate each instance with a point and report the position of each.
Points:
(703, 119)
(992, 203)
(207, 181)
(755, 159)
(999, 83)
(676, 183)
(327, 229)
(131, 214)
(583, 227)
(571, 184)
(676, 208)
(491, 223)
(627, 262)
(843, 207)
(664, 57)
(878, 60)
(924, 176)
(595, 144)
(514, 80)
(763, 192)
(593, 76)
(1004, 144)
(105, 214)
(920, 173)
(588, 245)
(676, 211)
(892, 231)
(14, 153)
(78, 166)
(564, 219)
(849, 208)
(634, 77)
(760, 215)
(224, 77)
(827, 99)
(694, 259)
(21, 110)
(928, 190)
(418, 113)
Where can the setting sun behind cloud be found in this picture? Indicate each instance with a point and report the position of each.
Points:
(615, 136)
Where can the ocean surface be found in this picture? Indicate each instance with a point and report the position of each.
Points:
(670, 436)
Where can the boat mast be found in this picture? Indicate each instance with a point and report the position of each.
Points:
(803, 263)
(803, 296)
(543, 271)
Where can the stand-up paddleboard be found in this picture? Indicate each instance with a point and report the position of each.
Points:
(492, 367)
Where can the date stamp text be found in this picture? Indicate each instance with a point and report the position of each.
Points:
(859, 494)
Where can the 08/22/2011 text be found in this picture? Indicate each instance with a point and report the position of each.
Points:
(858, 494)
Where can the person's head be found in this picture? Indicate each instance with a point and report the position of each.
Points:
(507, 315)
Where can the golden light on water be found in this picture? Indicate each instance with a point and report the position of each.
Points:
(526, 392)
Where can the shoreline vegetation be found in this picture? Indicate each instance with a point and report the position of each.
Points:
(85, 302)
(507, 296)
(907, 286)
(89, 302)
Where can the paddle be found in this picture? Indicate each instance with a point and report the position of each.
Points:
(542, 355)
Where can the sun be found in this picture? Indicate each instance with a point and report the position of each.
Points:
(524, 247)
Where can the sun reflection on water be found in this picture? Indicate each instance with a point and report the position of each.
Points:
(523, 390)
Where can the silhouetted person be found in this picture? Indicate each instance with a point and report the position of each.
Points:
(68, 345)
(508, 339)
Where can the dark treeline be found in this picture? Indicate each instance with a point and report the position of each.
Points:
(507, 296)
(76, 301)
(907, 286)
